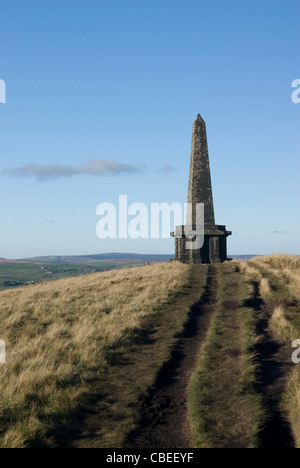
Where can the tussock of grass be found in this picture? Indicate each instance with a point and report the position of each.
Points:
(279, 261)
(292, 278)
(251, 272)
(281, 325)
(63, 337)
(265, 289)
(285, 267)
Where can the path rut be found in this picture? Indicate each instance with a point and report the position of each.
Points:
(164, 419)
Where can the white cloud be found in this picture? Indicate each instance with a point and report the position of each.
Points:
(93, 166)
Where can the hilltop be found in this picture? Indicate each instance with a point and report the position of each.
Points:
(126, 257)
(133, 358)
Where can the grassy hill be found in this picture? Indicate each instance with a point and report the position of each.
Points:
(168, 355)
(66, 338)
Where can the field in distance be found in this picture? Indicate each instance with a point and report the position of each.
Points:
(14, 273)
(40, 269)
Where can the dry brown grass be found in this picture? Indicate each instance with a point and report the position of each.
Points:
(285, 273)
(60, 336)
(279, 261)
(286, 267)
(281, 325)
(251, 272)
(292, 277)
(265, 289)
(292, 403)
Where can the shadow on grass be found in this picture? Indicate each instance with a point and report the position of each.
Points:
(272, 371)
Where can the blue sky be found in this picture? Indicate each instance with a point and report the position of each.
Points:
(120, 81)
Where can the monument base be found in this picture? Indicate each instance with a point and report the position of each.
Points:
(214, 249)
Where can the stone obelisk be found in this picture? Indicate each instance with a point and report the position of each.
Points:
(214, 248)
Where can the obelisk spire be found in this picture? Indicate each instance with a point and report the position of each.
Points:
(200, 190)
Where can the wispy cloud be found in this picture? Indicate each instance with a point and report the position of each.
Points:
(94, 167)
(166, 169)
(279, 232)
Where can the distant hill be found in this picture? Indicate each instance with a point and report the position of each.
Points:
(116, 256)
(101, 257)
(15, 273)
(243, 258)
(119, 257)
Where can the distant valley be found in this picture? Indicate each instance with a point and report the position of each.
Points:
(24, 272)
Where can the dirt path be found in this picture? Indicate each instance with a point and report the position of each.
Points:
(163, 420)
(274, 358)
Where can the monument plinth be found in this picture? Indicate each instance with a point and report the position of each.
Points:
(214, 249)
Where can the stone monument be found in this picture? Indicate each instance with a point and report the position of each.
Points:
(214, 249)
